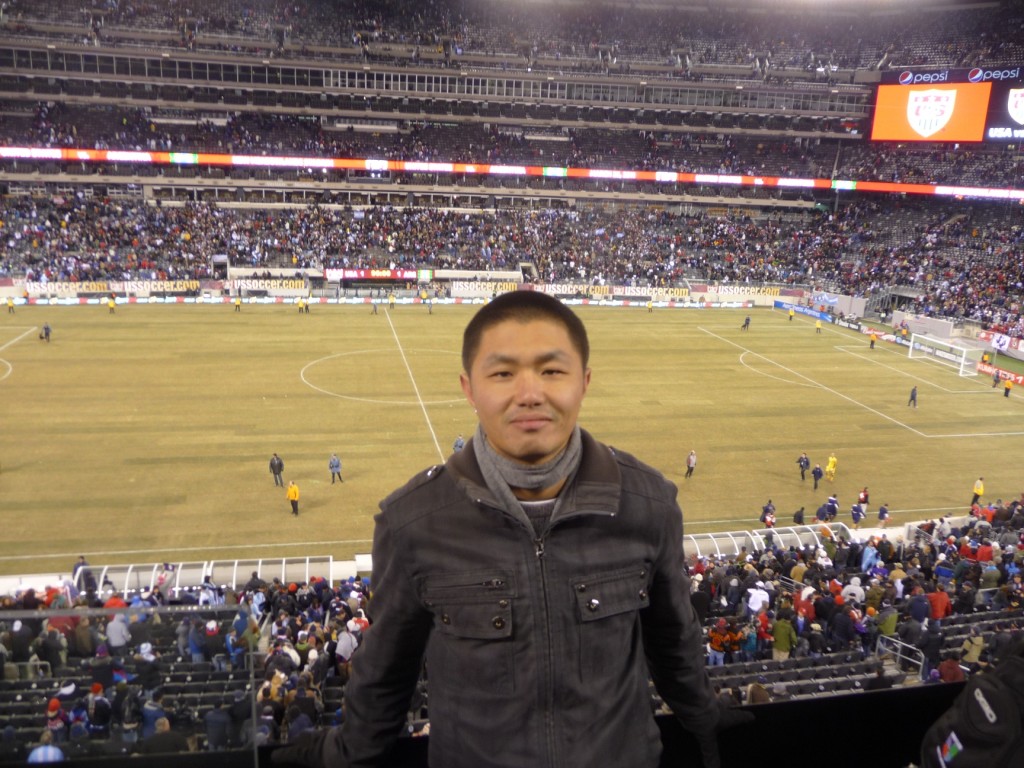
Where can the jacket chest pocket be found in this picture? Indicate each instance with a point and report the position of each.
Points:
(471, 645)
(607, 610)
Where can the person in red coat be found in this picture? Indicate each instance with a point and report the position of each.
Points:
(940, 603)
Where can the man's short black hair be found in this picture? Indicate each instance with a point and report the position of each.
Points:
(523, 306)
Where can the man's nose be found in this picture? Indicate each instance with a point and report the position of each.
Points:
(529, 387)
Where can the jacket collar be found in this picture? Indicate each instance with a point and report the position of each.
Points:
(596, 488)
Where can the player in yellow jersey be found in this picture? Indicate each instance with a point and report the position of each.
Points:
(830, 467)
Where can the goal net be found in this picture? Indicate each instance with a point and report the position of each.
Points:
(964, 359)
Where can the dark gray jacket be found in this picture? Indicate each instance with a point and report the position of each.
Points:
(538, 648)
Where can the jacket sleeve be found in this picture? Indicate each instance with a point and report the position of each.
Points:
(672, 634)
(386, 666)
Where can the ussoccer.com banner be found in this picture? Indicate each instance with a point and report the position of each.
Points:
(950, 105)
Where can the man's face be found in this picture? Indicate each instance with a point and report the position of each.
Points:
(527, 384)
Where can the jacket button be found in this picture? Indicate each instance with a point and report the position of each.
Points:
(498, 622)
(445, 618)
(643, 594)
(593, 604)
(503, 603)
(581, 587)
(643, 574)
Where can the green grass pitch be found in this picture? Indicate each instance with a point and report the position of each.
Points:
(145, 436)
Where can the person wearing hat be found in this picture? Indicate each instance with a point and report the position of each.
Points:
(100, 712)
(57, 721)
(216, 649)
(720, 640)
(101, 667)
(147, 669)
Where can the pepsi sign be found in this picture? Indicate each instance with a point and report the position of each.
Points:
(978, 75)
(914, 78)
(942, 76)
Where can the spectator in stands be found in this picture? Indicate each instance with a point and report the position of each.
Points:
(46, 751)
(101, 667)
(119, 635)
(197, 640)
(931, 645)
(57, 721)
(86, 638)
(240, 710)
(163, 739)
(784, 637)
(940, 605)
(525, 360)
(215, 648)
(720, 640)
(298, 722)
(219, 725)
(52, 648)
(949, 668)
(100, 712)
(152, 710)
(971, 650)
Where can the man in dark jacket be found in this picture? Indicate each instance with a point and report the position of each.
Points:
(219, 725)
(546, 572)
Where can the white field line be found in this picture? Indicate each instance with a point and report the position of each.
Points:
(10, 368)
(416, 389)
(857, 403)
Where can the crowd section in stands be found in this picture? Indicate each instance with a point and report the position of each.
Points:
(97, 127)
(568, 37)
(963, 259)
(99, 683)
(780, 622)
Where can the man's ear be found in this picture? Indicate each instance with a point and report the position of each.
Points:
(467, 387)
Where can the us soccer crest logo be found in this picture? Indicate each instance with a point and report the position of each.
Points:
(1015, 105)
(929, 111)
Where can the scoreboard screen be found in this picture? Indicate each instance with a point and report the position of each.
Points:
(1006, 113)
(951, 105)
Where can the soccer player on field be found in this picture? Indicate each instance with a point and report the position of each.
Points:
(830, 467)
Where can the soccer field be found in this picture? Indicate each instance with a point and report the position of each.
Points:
(145, 436)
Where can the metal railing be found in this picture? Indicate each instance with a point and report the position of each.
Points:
(903, 654)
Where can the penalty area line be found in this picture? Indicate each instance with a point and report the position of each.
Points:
(817, 384)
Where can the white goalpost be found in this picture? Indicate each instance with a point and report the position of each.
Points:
(964, 359)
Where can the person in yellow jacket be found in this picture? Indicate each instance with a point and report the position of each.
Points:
(293, 496)
(979, 490)
(830, 467)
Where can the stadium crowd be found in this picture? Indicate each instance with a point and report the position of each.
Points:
(102, 683)
(70, 125)
(571, 37)
(99, 684)
(964, 260)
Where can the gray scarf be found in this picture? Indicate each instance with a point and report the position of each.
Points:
(502, 475)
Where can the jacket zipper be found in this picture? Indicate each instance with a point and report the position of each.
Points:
(549, 684)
